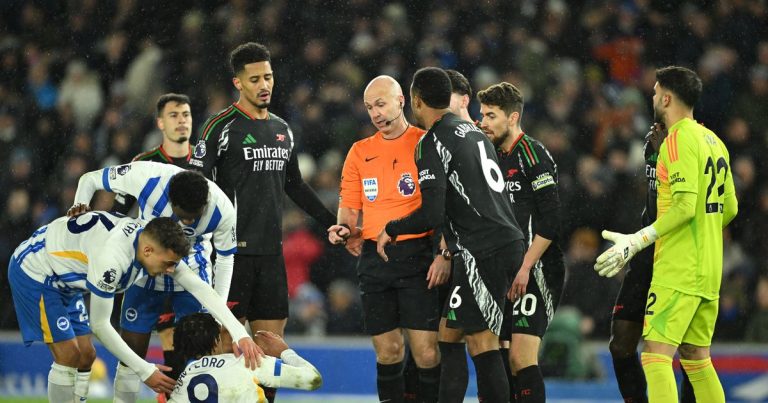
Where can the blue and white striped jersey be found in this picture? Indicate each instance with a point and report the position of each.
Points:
(92, 252)
(148, 182)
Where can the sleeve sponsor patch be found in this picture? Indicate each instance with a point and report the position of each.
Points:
(543, 180)
(425, 175)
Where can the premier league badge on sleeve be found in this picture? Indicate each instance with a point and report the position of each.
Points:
(200, 149)
(370, 188)
(406, 185)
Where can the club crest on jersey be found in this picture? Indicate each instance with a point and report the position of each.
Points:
(188, 231)
(371, 188)
(406, 185)
(200, 149)
(62, 323)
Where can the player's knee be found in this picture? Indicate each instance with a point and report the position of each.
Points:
(427, 357)
(621, 347)
(690, 352)
(520, 360)
(390, 352)
(87, 357)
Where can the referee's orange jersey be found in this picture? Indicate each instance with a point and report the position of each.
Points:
(380, 178)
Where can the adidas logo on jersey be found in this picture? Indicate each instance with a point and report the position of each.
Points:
(522, 322)
(451, 315)
(249, 139)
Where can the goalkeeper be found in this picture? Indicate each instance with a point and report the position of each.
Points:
(696, 200)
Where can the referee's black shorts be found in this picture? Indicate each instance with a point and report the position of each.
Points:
(395, 293)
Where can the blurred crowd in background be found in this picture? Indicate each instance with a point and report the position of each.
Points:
(79, 80)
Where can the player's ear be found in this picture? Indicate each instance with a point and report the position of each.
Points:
(465, 101)
(236, 82)
(160, 124)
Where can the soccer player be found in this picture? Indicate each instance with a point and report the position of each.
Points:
(202, 209)
(174, 119)
(379, 180)
(215, 374)
(103, 254)
(249, 153)
(696, 200)
(463, 189)
(530, 176)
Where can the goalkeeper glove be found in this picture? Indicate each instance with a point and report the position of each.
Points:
(624, 248)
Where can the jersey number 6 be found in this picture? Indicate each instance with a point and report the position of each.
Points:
(490, 169)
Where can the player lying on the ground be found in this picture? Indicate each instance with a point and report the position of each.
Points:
(214, 372)
(101, 253)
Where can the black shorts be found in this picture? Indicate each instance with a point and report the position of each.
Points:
(533, 312)
(395, 293)
(167, 318)
(259, 289)
(630, 304)
(479, 289)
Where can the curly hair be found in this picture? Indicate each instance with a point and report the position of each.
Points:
(189, 191)
(168, 234)
(247, 53)
(196, 335)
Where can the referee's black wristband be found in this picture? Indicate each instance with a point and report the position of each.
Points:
(348, 229)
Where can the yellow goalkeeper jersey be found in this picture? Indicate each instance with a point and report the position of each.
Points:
(690, 258)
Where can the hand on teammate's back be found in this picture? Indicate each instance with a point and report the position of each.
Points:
(250, 350)
(78, 209)
(271, 343)
(159, 382)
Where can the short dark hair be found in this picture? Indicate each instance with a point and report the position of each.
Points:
(433, 86)
(247, 53)
(180, 99)
(504, 95)
(459, 83)
(683, 82)
(188, 190)
(168, 234)
(196, 336)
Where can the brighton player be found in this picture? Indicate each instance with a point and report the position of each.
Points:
(214, 372)
(103, 254)
(164, 190)
(696, 200)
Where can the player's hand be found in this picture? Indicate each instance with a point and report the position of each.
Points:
(272, 344)
(439, 272)
(520, 284)
(338, 234)
(78, 209)
(625, 246)
(159, 382)
(381, 241)
(656, 135)
(354, 243)
(250, 350)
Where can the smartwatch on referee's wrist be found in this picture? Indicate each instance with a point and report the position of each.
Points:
(445, 253)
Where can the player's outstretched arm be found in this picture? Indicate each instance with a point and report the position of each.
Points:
(100, 312)
(88, 184)
(218, 308)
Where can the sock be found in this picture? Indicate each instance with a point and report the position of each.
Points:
(389, 382)
(410, 379)
(490, 377)
(127, 384)
(662, 387)
(530, 385)
(82, 382)
(454, 374)
(631, 379)
(429, 384)
(269, 393)
(706, 385)
(61, 383)
(511, 379)
(687, 394)
(175, 361)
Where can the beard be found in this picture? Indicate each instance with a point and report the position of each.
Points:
(499, 140)
(181, 140)
(658, 116)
